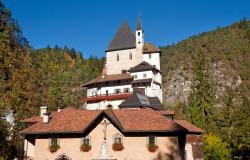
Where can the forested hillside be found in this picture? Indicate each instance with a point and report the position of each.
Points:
(31, 78)
(207, 81)
(228, 50)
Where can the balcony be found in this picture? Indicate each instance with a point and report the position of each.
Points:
(103, 97)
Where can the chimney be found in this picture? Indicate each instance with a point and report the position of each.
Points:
(46, 118)
(43, 109)
(59, 109)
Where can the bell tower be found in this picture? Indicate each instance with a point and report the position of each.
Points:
(139, 35)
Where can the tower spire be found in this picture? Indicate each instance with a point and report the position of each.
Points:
(139, 26)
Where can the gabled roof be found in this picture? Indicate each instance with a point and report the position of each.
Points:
(123, 39)
(150, 48)
(108, 78)
(71, 120)
(141, 101)
(143, 66)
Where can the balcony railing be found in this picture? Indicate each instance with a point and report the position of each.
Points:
(112, 96)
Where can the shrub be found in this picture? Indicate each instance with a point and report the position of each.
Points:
(85, 147)
(53, 148)
(214, 148)
(152, 147)
(117, 146)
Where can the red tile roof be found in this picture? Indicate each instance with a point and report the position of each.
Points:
(145, 120)
(71, 120)
(189, 126)
(108, 78)
(68, 120)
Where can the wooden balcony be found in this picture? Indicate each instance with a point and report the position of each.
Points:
(103, 97)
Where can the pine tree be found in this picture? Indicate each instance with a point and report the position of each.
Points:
(200, 106)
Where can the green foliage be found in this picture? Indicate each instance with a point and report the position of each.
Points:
(215, 148)
(200, 105)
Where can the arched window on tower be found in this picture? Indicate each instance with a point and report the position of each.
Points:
(117, 57)
(130, 56)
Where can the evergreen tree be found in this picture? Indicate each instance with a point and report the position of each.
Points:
(200, 106)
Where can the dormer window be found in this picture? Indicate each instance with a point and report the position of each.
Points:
(117, 57)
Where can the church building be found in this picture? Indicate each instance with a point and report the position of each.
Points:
(122, 117)
(132, 69)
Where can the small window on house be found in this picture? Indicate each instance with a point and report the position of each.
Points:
(151, 140)
(126, 90)
(139, 33)
(117, 138)
(54, 141)
(117, 57)
(130, 56)
(107, 92)
(149, 55)
(117, 91)
(135, 76)
(144, 75)
(86, 140)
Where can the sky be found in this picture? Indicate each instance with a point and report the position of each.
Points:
(89, 26)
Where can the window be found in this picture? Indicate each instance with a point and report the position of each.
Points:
(117, 138)
(139, 33)
(107, 92)
(135, 76)
(144, 75)
(149, 55)
(151, 140)
(117, 57)
(118, 82)
(130, 56)
(54, 141)
(126, 90)
(86, 140)
(117, 91)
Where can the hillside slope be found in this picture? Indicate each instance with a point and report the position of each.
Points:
(228, 50)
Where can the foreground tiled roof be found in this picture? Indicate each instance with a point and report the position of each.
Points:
(123, 39)
(189, 126)
(143, 66)
(150, 48)
(108, 78)
(141, 120)
(71, 120)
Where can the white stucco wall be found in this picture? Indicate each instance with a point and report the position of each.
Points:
(103, 105)
(124, 63)
(154, 60)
